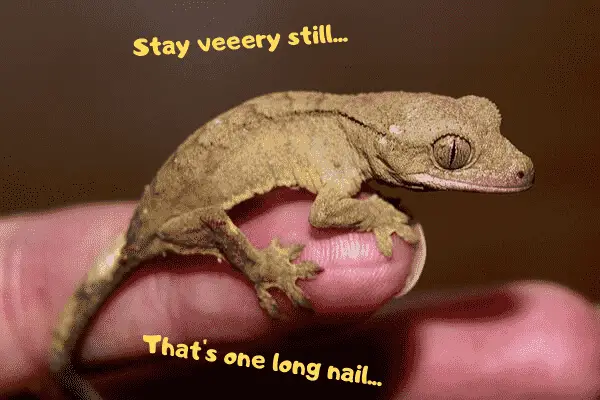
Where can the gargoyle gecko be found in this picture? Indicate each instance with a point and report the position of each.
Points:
(328, 144)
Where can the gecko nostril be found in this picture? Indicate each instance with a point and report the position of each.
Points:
(520, 174)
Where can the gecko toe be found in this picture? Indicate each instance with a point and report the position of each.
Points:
(307, 269)
(305, 303)
(409, 234)
(384, 241)
(297, 296)
(266, 301)
(294, 251)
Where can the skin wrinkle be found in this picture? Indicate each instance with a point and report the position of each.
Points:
(192, 304)
(182, 304)
(185, 305)
(7, 296)
(15, 292)
(364, 265)
(8, 306)
(150, 301)
(163, 299)
(207, 292)
(39, 293)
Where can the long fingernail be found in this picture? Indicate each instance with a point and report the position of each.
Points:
(418, 262)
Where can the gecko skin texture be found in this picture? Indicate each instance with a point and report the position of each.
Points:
(328, 144)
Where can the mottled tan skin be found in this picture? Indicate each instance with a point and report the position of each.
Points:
(327, 144)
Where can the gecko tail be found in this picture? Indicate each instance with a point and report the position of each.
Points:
(74, 384)
(107, 273)
(63, 376)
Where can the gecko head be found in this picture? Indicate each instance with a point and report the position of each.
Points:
(442, 143)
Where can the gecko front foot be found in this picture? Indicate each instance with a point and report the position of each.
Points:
(383, 235)
(274, 269)
(389, 220)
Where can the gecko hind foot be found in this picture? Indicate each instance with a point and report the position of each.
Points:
(276, 270)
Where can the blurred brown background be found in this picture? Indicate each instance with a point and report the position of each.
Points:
(83, 120)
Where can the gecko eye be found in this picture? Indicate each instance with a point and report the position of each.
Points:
(451, 151)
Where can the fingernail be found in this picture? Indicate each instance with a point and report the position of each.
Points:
(418, 262)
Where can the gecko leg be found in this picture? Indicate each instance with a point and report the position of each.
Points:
(335, 207)
(211, 231)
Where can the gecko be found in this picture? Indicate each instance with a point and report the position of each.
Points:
(326, 143)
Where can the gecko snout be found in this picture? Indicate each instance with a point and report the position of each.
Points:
(526, 173)
(526, 176)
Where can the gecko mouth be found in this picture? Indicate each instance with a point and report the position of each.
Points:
(418, 186)
(432, 183)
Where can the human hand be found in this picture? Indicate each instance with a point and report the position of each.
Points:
(523, 340)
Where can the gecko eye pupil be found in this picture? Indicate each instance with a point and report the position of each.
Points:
(451, 151)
